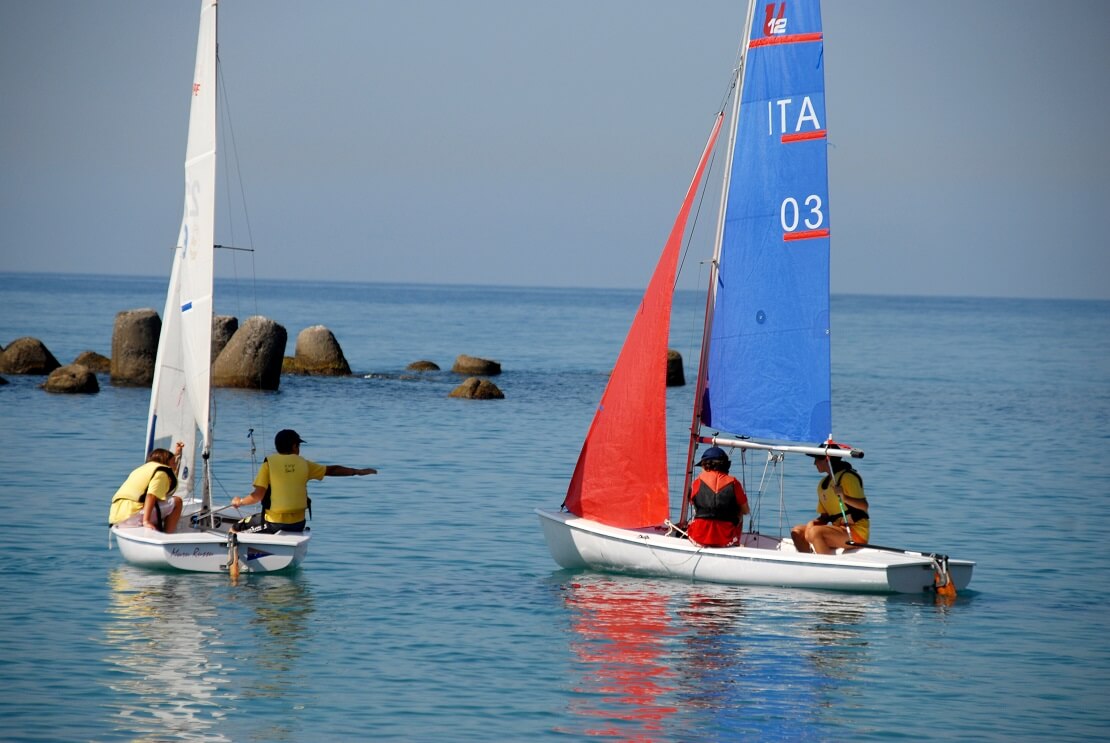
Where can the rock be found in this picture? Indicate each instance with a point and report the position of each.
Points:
(675, 376)
(252, 359)
(423, 366)
(134, 347)
(3, 381)
(96, 363)
(223, 327)
(72, 378)
(472, 365)
(318, 352)
(477, 389)
(27, 356)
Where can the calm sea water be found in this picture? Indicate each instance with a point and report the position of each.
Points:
(429, 608)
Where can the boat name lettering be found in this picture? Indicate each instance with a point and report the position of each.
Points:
(197, 552)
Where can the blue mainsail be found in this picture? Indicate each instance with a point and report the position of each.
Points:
(768, 359)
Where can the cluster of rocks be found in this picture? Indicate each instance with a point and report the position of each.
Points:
(474, 387)
(247, 356)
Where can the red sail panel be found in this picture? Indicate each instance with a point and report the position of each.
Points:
(621, 475)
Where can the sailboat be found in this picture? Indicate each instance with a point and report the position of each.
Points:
(764, 374)
(181, 391)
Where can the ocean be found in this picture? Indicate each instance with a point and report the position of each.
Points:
(429, 607)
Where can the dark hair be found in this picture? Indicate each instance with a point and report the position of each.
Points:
(716, 465)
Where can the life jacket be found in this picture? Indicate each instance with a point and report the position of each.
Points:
(719, 505)
(135, 486)
(835, 517)
(289, 501)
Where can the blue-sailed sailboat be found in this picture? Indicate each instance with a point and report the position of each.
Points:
(764, 372)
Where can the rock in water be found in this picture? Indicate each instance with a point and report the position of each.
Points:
(478, 389)
(252, 358)
(318, 352)
(27, 356)
(96, 363)
(675, 375)
(135, 347)
(223, 327)
(472, 365)
(72, 378)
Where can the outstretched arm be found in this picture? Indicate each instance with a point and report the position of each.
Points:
(338, 470)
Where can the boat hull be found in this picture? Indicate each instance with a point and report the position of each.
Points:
(578, 543)
(207, 550)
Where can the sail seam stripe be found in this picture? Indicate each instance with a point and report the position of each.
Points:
(805, 235)
(788, 39)
(804, 136)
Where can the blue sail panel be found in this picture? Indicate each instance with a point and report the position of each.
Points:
(768, 365)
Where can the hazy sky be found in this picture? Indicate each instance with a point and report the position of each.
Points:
(528, 143)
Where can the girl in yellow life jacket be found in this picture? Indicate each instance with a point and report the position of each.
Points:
(843, 519)
(146, 496)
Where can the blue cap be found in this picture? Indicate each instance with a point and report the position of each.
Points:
(713, 452)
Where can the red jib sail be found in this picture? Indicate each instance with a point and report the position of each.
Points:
(621, 475)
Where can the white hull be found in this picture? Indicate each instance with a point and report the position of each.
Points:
(576, 542)
(207, 551)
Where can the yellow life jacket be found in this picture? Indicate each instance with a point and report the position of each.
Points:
(287, 496)
(129, 499)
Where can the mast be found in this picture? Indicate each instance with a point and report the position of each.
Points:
(711, 294)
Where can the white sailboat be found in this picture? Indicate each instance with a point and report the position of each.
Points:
(764, 377)
(181, 393)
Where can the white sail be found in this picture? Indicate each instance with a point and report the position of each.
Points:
(181, 391)
(180, 398)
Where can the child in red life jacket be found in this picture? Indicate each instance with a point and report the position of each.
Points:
(719, 501)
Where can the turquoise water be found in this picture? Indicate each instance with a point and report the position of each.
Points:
(429, 608)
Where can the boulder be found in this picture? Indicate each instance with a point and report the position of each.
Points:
(675, 375)
(135, 347)
(477, 389)
(72, 378)
(252, 358)
(423, 366)
(318, 352)
(3, 381)
(27, 356)
(474, 366)
(96, 363)
(223, 327)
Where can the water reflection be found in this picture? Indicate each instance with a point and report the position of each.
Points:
(665, 660)
(160, 638)
(620, 633)
(190, 649)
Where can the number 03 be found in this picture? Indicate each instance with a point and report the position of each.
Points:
(790, 213)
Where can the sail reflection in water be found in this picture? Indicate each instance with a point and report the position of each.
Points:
(663, 660)
(621, 635)
(191, 651)
(162, 637)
